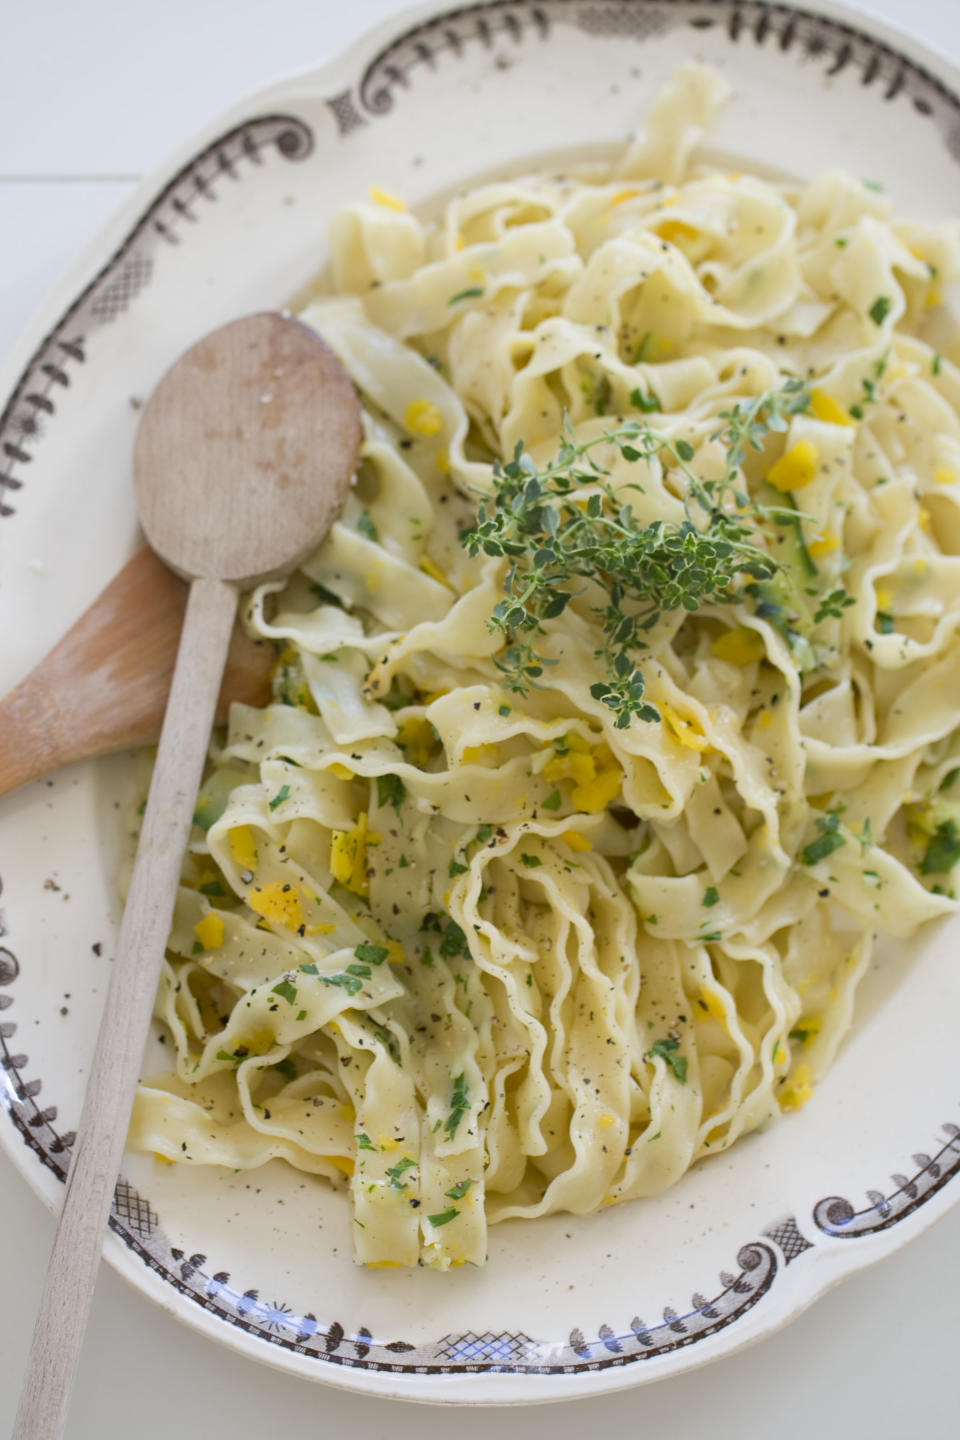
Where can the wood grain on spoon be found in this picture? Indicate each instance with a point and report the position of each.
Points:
(244, 453)
(104, 686)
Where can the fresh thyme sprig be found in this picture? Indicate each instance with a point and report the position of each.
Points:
(566, 522)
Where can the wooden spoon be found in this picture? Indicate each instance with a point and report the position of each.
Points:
(243, 456)
(105, 685)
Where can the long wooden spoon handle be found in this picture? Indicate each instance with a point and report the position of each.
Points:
(71, 1275)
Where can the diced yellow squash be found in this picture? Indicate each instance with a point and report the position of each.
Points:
(387, 199)
(416, 738)
(422, 417)
(342, 1162)
(278, 904)
(431, 568)
(796, 468)
(348, 856)
(739, 647)
(943, 475)
(243, 847)
(682, 730)
(341, 771)
(824, 407)
(209, 931)
(798, 1089)
(575, 841)
(595, 795)
(824, 544)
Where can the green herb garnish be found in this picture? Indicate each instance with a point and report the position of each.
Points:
(826, 842)
(395, 1171)
(472, 292)
(710, 896)
(667, 1050)
(538, 521)
(456, 869)
(531, 861)
(880, 309)
(457, 1192)
(444, 1217)
(553, 801)
(286, 991)
(391, 791)
(943, 850)
(364, 1142)
(282, 794)
(366, 526)
(647, 403)
(371, 954)
(833, 605)
(459, 1105)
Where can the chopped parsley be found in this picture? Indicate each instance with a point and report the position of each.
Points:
(647, 403)
(364, 1142)
(395, 1171)
(213, 887)
(880, 309)
(371, 954)
(287, 1068)
(454, 942)
(885, 622)
(710, 896)
(667, 1050)
(457, 1192)
(472, 292)
(826, 842)
(943, 850)
(366, 526)
(351, 983)
(459, 1105)
(504, 709)
(282, 794)
(286, 991)
(444, 1217)
(936, 363)
(553, 801)
(391, 791)
(639, 354)
(531, 861)
(483, 834)
(456, 869)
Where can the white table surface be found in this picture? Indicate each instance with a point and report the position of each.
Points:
(96, 93)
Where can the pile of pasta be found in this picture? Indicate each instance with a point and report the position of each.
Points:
(472, 954)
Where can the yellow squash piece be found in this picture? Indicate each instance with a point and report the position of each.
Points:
(739, 647)
(386, 199)
(824, 407)
(682, 730)
(422, 417)
(278, 904)
(209, 931)
(243, 847)
(796, 468)
(348, 856)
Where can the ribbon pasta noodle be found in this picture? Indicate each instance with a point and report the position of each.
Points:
(474, 953)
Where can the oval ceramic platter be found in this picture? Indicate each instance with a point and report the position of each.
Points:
(262, 1260)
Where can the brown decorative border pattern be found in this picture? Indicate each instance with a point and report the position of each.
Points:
(179, 205)
(835, 46)
(839, 49)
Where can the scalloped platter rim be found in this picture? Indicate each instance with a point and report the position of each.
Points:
(237, 220)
